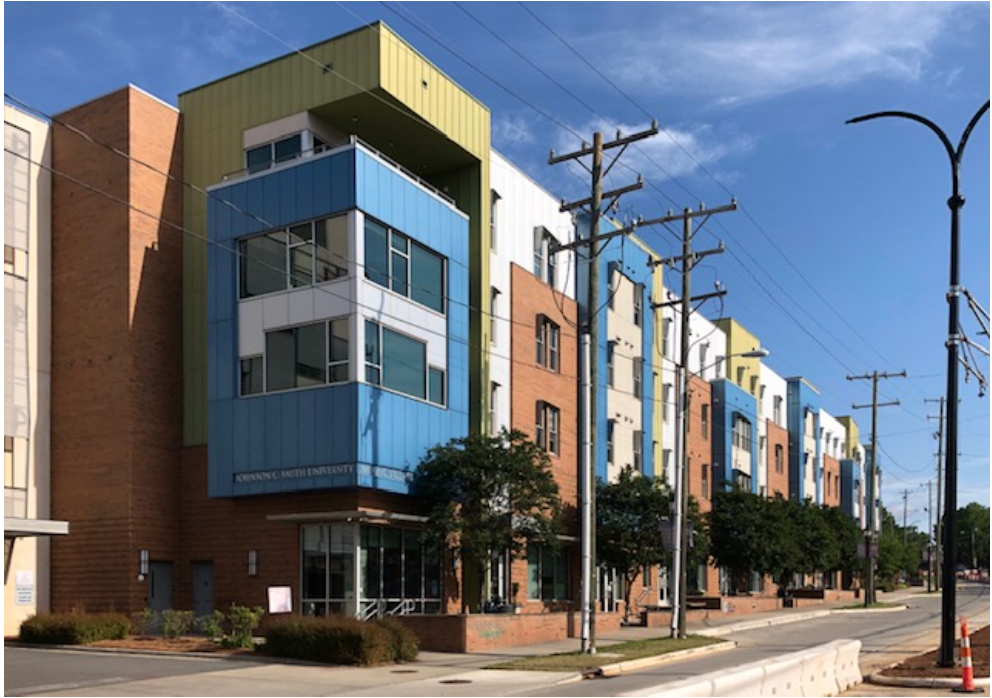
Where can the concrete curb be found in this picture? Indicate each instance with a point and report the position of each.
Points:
(764, 623)
(901, 607)
(611, 670)
(911, 682)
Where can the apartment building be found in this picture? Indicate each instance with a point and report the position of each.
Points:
(27, 518)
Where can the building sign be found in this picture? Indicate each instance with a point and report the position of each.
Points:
(24, 589)
(280, 600)
(347, 470)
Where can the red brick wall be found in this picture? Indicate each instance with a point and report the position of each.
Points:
(116, 352)
(778, 482)
(700, 449)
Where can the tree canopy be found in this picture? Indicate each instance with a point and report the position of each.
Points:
(489, 493)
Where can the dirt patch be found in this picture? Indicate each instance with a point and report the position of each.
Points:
(167, 644)
(925, 665)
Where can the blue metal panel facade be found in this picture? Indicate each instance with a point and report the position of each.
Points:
(802, 398)
(332, 436)
(730, 400)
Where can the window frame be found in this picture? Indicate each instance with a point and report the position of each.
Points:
(392, 251)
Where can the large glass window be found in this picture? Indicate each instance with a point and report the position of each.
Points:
(299, 357)
(301, 255)
(262, 157)
(396, 262)
(294, 357)
(548, 574)
(395, 361)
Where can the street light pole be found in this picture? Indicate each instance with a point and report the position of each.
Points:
(955, 203)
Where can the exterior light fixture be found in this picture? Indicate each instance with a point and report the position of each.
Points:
(252, 563)
(142, 564)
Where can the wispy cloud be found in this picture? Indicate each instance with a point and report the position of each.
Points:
(676, 152)
(742, 52)
(510, 131)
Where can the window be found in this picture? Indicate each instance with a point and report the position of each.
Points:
(436, 387)
(493, 307)
(548, 574)
(666, 401)
(778, 458)
(337, 351)
(638, 375)
(638, 304)
(639, 451)
(706, 481)
(742, 480)
(740, 376)
(666, 326)
(294, 357)
(493, 408)
(539, 233)
(610, 348)
(262, 157)
(719, 367)
(666, 456)
(552, 266)
(396, 262)
(777, 409)
(301, 255)
(395, 361)
(493, 200)
(548, 341)
(252, 376)
(742, 433)
(705, 419)
(703, 348)
(754, 385)
(548, 428)
(610, 426)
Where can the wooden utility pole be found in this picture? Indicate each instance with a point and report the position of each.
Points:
(589, 337)
(872, 495)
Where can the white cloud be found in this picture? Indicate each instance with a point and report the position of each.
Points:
(510, 131)
(674, 153)
(742, 52)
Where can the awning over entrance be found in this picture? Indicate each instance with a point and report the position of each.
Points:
(24, 528)
(349, 516)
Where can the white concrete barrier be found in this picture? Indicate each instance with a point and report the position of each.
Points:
(819, 674)
(743, 681)
(826, 670)
(783, 676)
(848, 668)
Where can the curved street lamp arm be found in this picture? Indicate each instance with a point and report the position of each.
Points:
(971, 125)
(912, 117)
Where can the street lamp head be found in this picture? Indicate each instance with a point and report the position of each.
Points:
(754, 354)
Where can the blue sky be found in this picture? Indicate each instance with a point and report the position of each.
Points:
(845, 226)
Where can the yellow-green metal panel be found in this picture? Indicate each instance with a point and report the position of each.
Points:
(739, 340)
(853, 435)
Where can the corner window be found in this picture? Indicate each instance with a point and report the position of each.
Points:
(252, 376)
(395, 361)
(262, 157)
(337, 351)
(294, 357)
(396, 262)
(301, 255)
(436, 389)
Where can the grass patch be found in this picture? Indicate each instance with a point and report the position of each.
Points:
(608, 654)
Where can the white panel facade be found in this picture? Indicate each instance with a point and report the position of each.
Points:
(622, 404)
(524, 217)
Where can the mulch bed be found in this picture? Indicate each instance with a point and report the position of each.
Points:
(925, 665)
(166, 644)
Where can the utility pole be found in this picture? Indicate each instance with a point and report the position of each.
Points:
(940, 475)
(905, 505)
(589, 338)
(687, 260)
(930, 546)
(872, 495)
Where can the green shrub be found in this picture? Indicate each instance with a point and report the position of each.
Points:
(176, 623)
(144, 622)
(244, 620)
(404, 643)
(213, 625)
(333, 640)
(74, 628)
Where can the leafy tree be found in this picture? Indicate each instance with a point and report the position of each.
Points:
(818, 546)
(784, 559)
(739, 535)
(847, 534)
(488, 493)
(973, 536)
(699, 552)
(630, 513)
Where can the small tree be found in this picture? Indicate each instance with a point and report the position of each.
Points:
(739, 535)
(488, 493)
(629, 516)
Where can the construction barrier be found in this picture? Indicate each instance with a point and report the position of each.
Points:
(826, 670)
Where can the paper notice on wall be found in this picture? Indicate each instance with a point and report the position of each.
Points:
(24, 588)
(280, 600)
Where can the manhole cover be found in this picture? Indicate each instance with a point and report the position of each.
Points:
(455, 681)
(404, 671)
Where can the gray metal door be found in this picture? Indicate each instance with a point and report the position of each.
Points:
(160, 585)
(203, 588)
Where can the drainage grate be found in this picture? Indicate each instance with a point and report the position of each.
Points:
(450, 681)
